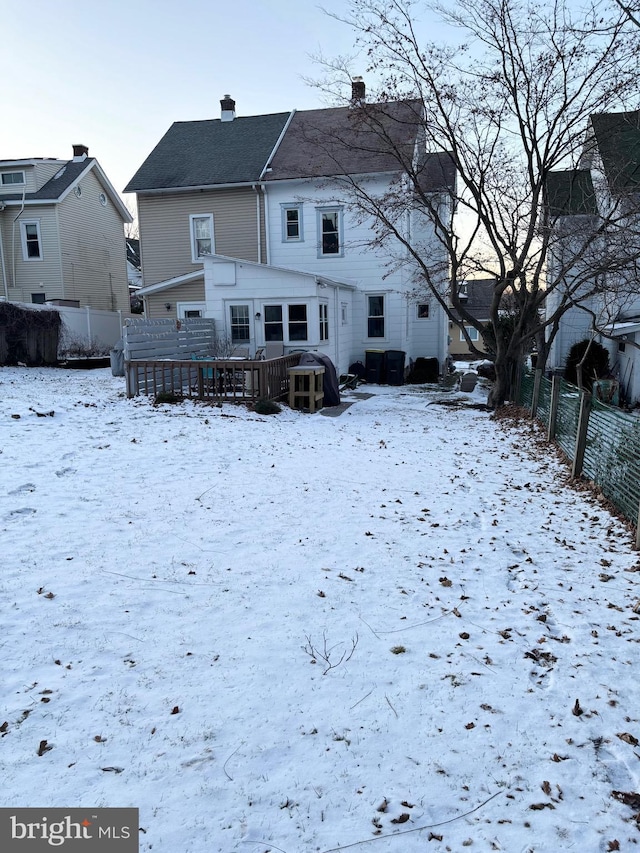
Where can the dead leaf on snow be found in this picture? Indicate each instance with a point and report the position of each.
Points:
(546, 787)
(537, 807)
(445, 581)
(403, 818)
(383, 806)
(629, 798)
(44, 747)
(434, 837)
(628, 738)
(577, 710)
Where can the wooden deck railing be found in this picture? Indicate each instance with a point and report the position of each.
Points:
(212, 379)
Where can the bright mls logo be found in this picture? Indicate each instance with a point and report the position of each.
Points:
(79, 830)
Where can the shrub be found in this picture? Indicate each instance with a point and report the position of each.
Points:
(267, 407)
(167, 397)
(595, 366)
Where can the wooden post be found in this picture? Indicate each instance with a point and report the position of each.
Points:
(537, 381)
(553, 411)
(581, 437)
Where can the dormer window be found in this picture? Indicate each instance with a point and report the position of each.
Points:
(12, 179)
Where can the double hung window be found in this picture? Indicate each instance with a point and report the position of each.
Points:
(201, 236)
(292, 223)
(375, 316)
(31, 240)
(330, 232)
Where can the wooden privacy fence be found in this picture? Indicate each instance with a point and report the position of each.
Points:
(167, 339)
(602, 442)
(213, 379)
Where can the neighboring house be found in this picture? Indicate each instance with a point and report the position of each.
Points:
(199, 193)
(298, 266)
(608, 179)
(62, 233)
(477, 297)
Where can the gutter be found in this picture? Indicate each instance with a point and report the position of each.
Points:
(13, 237)
(4, 271)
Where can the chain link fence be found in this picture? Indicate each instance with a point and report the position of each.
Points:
(601, 441)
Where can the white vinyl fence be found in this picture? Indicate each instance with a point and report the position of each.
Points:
(91, 327)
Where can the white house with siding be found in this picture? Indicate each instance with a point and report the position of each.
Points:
(311, 277)
(62, 233)
(602, 194)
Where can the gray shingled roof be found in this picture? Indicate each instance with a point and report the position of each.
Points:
(371, 138)
(571, 193)
(618, 139)
(206, 153)
(56, 186)
(480, 296)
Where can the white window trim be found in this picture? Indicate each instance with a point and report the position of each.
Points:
(197, 259)
(471, 331)
(284, 208)
(384, 316)
(323, 308)
(183, 307)
(248, 323)
(23, 237)
(285, 305)
(13, 183)
(330, 208)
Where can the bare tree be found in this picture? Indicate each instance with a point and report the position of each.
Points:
(510, 106)
(131, 229)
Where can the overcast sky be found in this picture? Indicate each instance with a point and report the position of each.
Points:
(114, 74)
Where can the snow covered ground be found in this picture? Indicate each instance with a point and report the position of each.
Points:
(395, 630)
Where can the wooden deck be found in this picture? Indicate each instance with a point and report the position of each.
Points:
(215, 379)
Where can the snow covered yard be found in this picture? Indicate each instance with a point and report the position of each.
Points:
(395, 630)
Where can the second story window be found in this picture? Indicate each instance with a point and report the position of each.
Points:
(201, 236)
(291, 223)
(330, 232)
(31, 240)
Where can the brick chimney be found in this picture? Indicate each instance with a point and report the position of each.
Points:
(228, 108)
(80, 152)
(358, 92)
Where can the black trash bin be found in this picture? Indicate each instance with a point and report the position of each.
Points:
(374, 366)
(394, 366)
